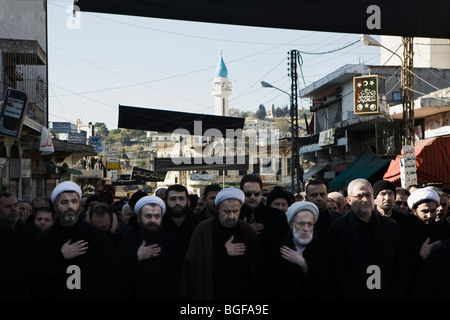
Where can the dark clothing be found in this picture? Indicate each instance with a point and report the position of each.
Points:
(182, 232)
(323, 223)
(433, 282)
(122, 231)
(289, 281)
(209, 273)
(274, 222)
(202, 215)
(102, 274)
(401, 219)
(156, 277)
(354, 245)
(15, 249)
(414, 236)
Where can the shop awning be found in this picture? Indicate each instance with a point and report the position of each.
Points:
(432, 162)
(365, 166)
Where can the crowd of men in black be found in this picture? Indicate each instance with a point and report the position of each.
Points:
(377, 242)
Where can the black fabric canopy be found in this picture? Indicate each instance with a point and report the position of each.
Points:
(169, 121)
(412, 18)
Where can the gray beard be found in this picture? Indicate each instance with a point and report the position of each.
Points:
(299, 240)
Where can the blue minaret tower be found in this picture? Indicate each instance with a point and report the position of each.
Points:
(221, 90)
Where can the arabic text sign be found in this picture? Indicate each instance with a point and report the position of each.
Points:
(408, 174)
(369, 95)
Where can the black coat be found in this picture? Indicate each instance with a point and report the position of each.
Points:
(15, 249)
(354, 246)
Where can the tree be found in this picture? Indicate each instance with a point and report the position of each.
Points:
(101, 129)
(261, 113)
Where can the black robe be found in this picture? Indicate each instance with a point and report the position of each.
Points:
(208, 273)
(102, 274)
(289, 281)
(433, 282)
(158, 277)
(414, 235)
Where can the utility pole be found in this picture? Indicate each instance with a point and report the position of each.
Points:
(296, 169)
(408, 91)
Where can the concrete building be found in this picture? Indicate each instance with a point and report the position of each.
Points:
(352, 135)
(24, 170)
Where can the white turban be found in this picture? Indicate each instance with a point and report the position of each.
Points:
(149, 200)
(298, 206)
(66, 186)
(423, 194)
(230, 193)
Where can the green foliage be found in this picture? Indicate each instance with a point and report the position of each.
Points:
(261, 113)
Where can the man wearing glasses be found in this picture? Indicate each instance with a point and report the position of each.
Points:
(365, 252)
(269, 223)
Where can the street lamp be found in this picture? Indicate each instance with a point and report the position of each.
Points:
(268, 85)
(406, 84)
(295, 185)
(370, 41)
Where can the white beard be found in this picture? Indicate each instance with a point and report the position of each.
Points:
(299, 240)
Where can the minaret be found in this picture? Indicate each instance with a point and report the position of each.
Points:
(221, 90)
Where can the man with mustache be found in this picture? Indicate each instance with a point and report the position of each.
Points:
(317, 193)
(16, 242)
(74, 259)
(269, 223)
(152, 257)
(384, 193)
(179, 220)
(362, 244)
(224, 259)
(299, 265)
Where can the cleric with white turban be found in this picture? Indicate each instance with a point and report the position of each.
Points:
(298, 206)
(230, 193)
(150, 200)
(422, 194)
(64, 187)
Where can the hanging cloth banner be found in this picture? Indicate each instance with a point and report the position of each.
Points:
(46, 145)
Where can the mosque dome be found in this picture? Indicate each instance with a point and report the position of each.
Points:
(221, 70)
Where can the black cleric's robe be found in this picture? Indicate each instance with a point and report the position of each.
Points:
(208, 273)
(289, 281)
(101, 273)
(158, 277)
(414, 235)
